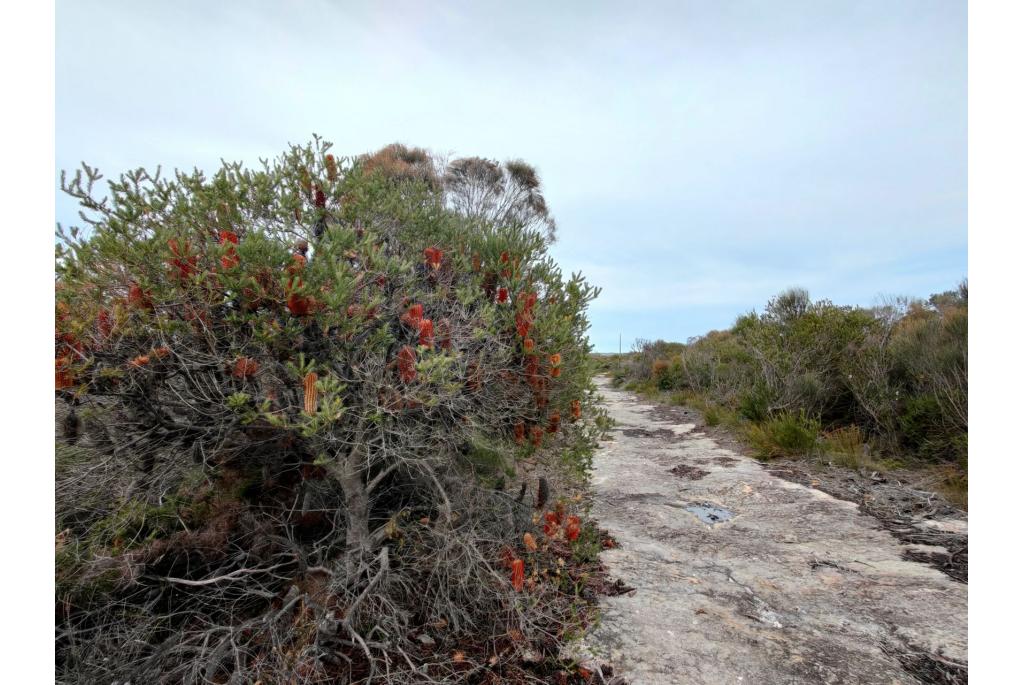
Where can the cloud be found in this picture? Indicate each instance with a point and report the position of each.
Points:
(698, 156)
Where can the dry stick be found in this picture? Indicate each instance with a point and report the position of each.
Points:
(208, 581)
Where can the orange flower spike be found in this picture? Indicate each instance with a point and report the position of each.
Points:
(444, 334)
(245, 367)
(572, 528)
(137, 297)
(104, 324)
(297, 264)
(553, 421)
(523, 324)
(332, 167)
(577, 410)
(552, 524)
(412, 316)
(536, 435)
(161, 352)
(518, 574)
(556, 359)
(529, 542)
(407, 364)
(299, 305)
(433, 257)
(62, 374)
(520, 433)
(140, 361)
(310, 398)
(230, 258)
(502, 295)
(556, 371)
(426, 333)
(528, 345)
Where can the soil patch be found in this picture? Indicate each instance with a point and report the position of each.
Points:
(688, 472)
(660, 434)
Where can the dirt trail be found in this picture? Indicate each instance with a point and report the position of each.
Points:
(796, 587)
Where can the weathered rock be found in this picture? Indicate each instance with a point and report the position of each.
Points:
(797, 587)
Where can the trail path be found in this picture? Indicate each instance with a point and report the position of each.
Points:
(797, 587)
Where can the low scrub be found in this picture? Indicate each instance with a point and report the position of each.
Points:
(892, 378)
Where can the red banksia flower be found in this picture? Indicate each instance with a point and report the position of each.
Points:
(529, 542)
(320, 199)
(140, 361)
(444, 334)
(297, 264)
(554, 421)
(528, 345)
(532, 366)
(523, 325)
(137, 297)
(62, 373)
(433, 257)
(577, 410)
(332, 167)
(518, 574)
(504, 257)
(412, 316)
(572, 528)
(230, 259)
(520, 433)
(245, 367)
(556, 371)
(552, 524)
(183, 263)
(536, 435)
(407, 364)
(104, 324)
(309, 393)
(503, 295)
(426, 332)
(161, 352)
(299, 305)
(556, 359)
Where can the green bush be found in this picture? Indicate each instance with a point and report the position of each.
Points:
(793, 433)
(897, 372)
(345, 348)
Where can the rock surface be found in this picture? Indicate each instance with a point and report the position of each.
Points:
(795, 587)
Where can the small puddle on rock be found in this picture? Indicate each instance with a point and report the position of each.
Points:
(709, 513)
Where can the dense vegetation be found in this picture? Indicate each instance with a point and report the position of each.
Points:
(890, 381)
(294, 397)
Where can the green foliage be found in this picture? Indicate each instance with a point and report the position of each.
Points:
(328, 340)
(897, 373)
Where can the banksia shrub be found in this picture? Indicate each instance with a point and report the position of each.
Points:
(289, 400)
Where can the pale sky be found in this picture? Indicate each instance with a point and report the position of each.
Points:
(699, 157)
